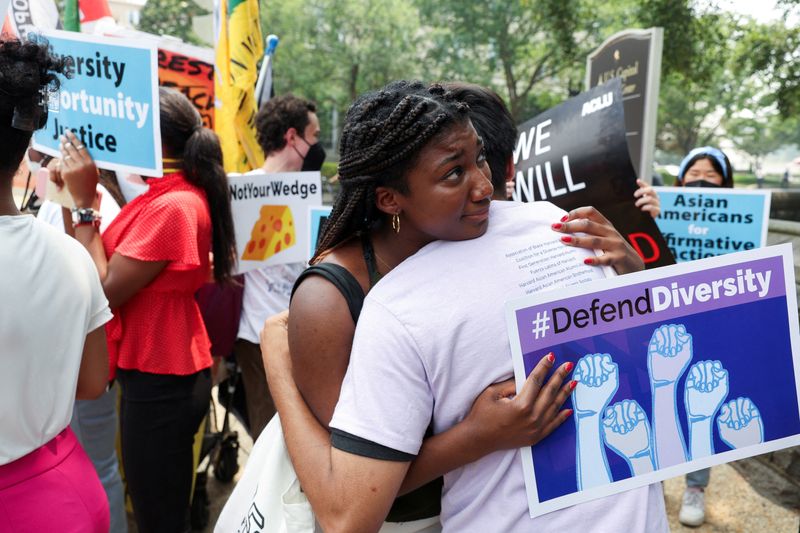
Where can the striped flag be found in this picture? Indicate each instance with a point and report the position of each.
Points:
(239, 47)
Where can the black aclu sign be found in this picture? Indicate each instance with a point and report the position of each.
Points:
(576, 154)
(635, 57)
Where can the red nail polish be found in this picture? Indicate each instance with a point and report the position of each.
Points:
(568, 367)
(569, 412)
(573, 384)
(564, 218)
(588, 261)
(551, 357)
(566, 238)
(557, 225)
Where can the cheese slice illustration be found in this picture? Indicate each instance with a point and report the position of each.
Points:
(272, 233)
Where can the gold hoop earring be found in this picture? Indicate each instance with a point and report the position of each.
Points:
(396, 222)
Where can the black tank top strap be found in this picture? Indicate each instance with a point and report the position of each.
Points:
(369, 258)
(343, 280)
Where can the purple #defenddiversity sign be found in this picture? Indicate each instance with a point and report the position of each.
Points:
(678, 368)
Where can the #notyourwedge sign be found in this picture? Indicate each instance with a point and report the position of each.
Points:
(575, 155)
(270, 216)
(678, 368)
(698, 223)
(110, 102)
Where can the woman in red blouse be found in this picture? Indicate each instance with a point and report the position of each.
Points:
(151, 260)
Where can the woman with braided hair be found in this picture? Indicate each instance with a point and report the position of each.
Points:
(412, 171)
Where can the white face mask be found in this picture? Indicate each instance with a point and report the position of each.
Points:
(131, 185)
(33, 166)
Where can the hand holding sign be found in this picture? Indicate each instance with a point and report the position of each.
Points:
(588, 228)
(504, 420)
(78, 171)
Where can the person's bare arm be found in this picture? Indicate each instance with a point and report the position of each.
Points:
(93, 373)
(348, 493)
(320, 338)
(121, 276)
(499, 419)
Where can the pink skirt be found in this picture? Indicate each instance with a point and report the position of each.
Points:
(53, 488)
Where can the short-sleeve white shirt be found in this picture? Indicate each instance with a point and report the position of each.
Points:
(51, 299)
(431, 337)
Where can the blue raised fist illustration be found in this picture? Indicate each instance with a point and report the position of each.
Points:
(669, 353)
(597, 381)
(597, 378)
(739, 423)
(627, 432)
(706, 389)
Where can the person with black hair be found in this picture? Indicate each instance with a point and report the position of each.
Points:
(287, 129)
(51, 317)
(413, 171)
(495, 125)
(152, 259)
(704, 166)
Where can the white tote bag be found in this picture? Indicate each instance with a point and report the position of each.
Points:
(267, 498)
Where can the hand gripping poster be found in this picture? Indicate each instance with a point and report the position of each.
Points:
(676, 369)
(110, 102)
(576, 154)
(270, 216)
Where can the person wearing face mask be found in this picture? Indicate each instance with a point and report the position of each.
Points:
(288, 131)
(705, 166)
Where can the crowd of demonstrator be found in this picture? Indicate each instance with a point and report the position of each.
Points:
(101, 329)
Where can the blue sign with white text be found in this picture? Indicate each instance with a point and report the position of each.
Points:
(110, 102)
(698, 223)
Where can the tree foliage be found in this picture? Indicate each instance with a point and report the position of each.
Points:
(715, 66)
(171, 17)
(332, 50)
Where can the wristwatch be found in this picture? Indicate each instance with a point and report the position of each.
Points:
(85, 216)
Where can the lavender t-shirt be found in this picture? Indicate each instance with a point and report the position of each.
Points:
(431, 337)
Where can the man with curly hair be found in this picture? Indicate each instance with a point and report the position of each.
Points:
(287, 128)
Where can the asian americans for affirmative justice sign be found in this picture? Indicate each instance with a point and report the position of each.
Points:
(678, 368)
(705, 222)
(110, 103)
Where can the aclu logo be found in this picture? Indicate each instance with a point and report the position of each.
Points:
(596, 104)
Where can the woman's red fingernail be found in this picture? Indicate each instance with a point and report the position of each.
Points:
(564, 218)
(588, 261)
(557, 225)
(573, 384)
(551, 357)
(569, 412)
(568, 367)
(566, 238)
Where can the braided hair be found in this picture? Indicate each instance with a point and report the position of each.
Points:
(383, 134)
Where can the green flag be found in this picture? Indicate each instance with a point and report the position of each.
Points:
(72, 17)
